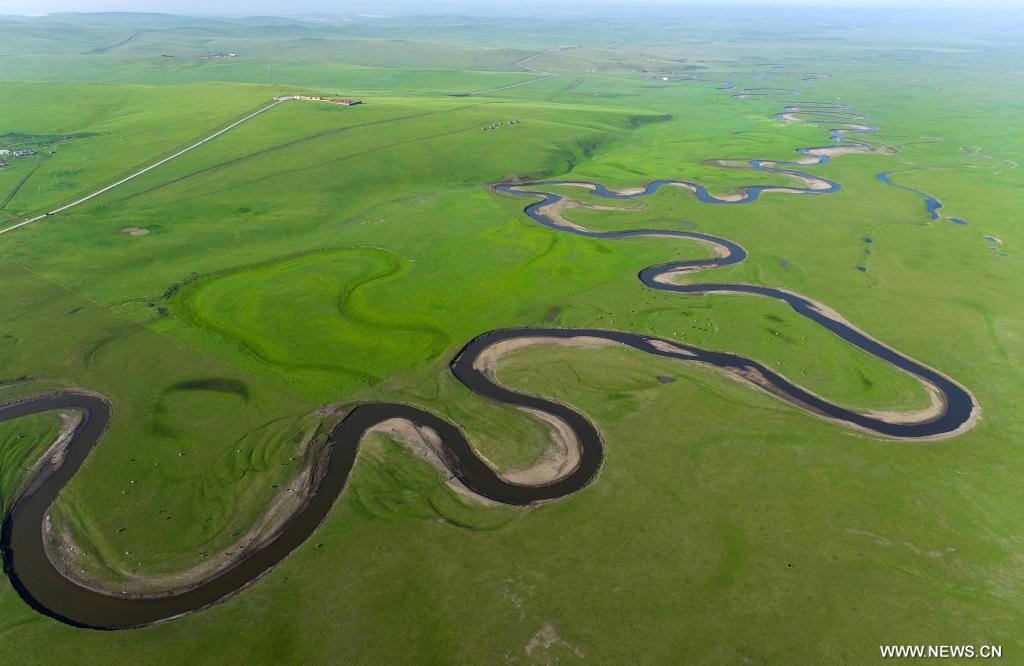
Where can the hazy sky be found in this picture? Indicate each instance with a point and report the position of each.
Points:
(487, 7)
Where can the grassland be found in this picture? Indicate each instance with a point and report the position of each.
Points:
(320, 255)
(23, 442)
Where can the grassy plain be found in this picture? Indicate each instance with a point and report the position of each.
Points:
(21, 443)
(320, 255)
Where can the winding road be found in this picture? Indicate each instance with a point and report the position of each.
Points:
(44, 587)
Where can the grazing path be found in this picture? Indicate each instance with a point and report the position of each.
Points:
(522, 65)
(138, 173)
(44, 586)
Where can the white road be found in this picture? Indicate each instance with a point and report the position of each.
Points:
(519, 63)
(279, 100)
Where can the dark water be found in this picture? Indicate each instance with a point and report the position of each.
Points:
(44, 588)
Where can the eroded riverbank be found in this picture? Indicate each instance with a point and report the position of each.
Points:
(577, 452)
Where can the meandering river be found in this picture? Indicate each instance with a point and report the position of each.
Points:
(43, 586)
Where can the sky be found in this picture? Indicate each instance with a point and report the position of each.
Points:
(474, 7)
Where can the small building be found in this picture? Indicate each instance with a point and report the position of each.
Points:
(25, 152)
(311, 98)
(4, 151)
(345, 101)
(3, 163)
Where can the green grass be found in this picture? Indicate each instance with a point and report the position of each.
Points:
(320, 255)
(270, 310)
(22, 441)
(118, 129)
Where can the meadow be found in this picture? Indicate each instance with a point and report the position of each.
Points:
(320, 255)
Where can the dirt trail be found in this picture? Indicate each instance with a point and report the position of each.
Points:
(145, 169)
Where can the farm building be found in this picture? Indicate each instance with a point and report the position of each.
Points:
(343, 101)
(24, 152)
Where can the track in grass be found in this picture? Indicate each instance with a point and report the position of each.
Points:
(43, 586)
(136, 174)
